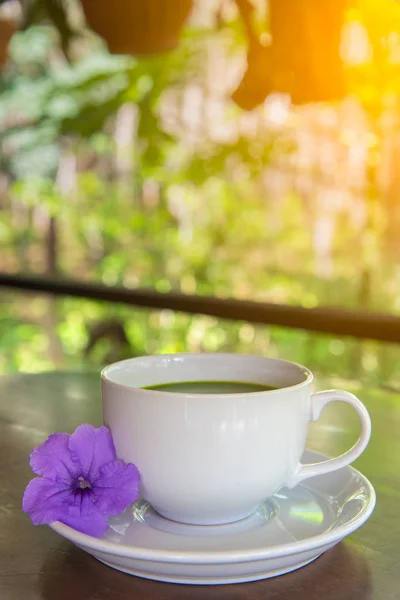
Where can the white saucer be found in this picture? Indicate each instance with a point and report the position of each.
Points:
(287, 532)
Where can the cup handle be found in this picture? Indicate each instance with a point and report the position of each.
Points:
(318, 403)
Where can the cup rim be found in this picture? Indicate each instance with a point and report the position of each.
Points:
(105, 377)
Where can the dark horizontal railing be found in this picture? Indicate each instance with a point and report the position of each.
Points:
(334, 321)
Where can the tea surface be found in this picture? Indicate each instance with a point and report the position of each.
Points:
(210, 387)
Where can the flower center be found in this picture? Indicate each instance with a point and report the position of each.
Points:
(83, 484)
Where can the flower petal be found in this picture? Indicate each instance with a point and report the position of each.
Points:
(46, 500)
(116, 488)
(53, 459)
(93, 448)
(83, 515)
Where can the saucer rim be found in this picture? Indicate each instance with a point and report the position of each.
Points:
(327, 538)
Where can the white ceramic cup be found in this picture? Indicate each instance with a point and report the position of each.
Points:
(212, 458)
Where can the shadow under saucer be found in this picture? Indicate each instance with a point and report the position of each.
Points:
(342, 573)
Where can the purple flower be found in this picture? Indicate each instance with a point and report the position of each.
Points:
(81, 483)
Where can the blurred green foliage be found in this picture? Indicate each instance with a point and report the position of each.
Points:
(164, 212)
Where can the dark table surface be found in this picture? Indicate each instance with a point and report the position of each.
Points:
(36, 563)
